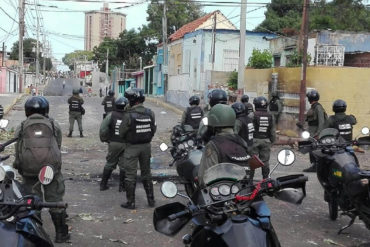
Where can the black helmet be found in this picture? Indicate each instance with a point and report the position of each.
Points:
(313, 96)
(217, 96)
(121, 103)
(36, 104)
(75, 91)
(135, 95)
(260, 102)
(245, 98)
(194, 100)
(239, 108)
(339, 106)
(110, 92)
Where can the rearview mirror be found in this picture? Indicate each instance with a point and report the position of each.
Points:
(365, 130)
(46, 175)
(286, 157)
(3, 123)
(169, 189)
(163, 147)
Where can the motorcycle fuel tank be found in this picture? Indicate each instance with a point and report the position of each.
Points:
(185, 166)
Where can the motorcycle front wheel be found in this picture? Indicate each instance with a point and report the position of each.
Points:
(333, 208)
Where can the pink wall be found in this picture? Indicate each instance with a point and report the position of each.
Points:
(3, 80)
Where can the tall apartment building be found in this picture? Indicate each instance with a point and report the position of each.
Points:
(102, 23)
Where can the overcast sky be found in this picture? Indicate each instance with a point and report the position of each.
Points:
(58, 26)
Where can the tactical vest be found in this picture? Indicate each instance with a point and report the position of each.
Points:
(247, 129)
(248, 108)
(38, 146)
(115, 123)
(193, 116)
(231, 149)
(311, 118)
(75, 105)
(141, 128)
(273, 106)
(109, 104)
(262, 124)
(345, 127)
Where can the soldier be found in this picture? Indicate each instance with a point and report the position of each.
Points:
(75, 112)
(341, 121)
(316, 119)
(243, 124)
(275, 106)
(193, 114)
(138, 128)
(38, 127)
(264, 133)
(109, 132)
(225, 146)
(248, 106)
(108, 102)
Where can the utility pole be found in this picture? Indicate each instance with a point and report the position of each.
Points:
(37, 53)
(3, 55)
(241, 67)
(165, 55)
(213, 48)
(44, 51)
(20, 42)
(107, 68)
(304, 27)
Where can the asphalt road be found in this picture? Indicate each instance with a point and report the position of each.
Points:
(96, 218)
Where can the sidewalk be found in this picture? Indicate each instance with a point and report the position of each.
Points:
(9, 100)
(169, 106)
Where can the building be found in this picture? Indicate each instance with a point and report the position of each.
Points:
(101, 24)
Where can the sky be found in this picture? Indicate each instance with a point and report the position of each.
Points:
(62, 21)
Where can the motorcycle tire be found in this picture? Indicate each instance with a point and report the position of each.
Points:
(333, 208)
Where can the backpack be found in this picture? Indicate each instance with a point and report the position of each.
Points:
(39, 146)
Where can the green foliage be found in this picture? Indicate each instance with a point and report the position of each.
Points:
(285, 16)
(232, 81)
(295, 60)
(260, 59)
(70, 58)
(100, 53)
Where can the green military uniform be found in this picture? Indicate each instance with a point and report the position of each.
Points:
(276, 108)
(344, 123)
(315, 118)
(54, 191)
(75, 114)
(108, 103)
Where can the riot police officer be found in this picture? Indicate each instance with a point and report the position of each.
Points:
(75, 112)
(108, 103)
(341, 121)
(275, 106)
(316, 119)
(193, 114)
(225, 146)
(248, 106)
(138, 128)
(264, 133)
(48, 151)
(109, 132)
(243, 124)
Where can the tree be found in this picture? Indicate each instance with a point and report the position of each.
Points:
(179, 12)
(100, 53)
(232, 81)
(70, 58)
(295, 59)
(260, 59)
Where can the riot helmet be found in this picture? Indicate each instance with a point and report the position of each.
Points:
(244, 99)
(217, 96)
(239, 108)
(36, 104)
(75, 91)
(121, 103)
(260, 102)
(339, 106)
(135, 95)
(221, 116)
(194, 100)
(313, 95)
(111, 93)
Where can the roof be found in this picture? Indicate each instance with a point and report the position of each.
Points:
(190, 27)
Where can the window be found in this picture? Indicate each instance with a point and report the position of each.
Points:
(276, 61)
(186, 68)
(231, 59)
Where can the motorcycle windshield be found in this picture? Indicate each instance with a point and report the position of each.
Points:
(328, 132)
(224, 171)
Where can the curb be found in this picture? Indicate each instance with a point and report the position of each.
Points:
(165, 105)
(8, 108)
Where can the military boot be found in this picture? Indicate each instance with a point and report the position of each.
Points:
(104, 179)
(61, 228)
(70, 134)
(121, 186)
(130, 195)
(148, 186)
(81, 135)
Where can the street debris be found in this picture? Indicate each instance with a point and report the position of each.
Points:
(329, 241)
(118, 241)
(128, 221)
(98, 236)
(86, 216)
(163, 112)
(312, 242)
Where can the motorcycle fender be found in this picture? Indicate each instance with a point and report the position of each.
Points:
(34, 231)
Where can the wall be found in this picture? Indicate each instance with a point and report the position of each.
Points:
(357, 59)
(221, 22)
(175, 57)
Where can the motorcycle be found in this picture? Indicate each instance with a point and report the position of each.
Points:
(345, 185)
(230, 210)
(20, 221)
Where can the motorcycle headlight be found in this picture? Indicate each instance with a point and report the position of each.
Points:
(181, 146)
(190, 143)
(224, 190)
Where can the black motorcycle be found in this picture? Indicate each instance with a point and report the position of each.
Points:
(345, 185)
(20, 221)
(230, 210)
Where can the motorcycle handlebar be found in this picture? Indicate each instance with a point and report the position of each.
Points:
(180, 214)
(298, 180)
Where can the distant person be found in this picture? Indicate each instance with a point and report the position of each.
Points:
(275, 106)
(108, 103)
(75, 112)
(64, 84)
(248, 106)
(193, 114)
(341, 121)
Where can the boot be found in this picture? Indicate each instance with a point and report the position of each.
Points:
(70, 134)
(61, 228)
(148, 186)
(130, 195)
(104, 179)
(121, 186)
(81, 135)
(311, 169)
